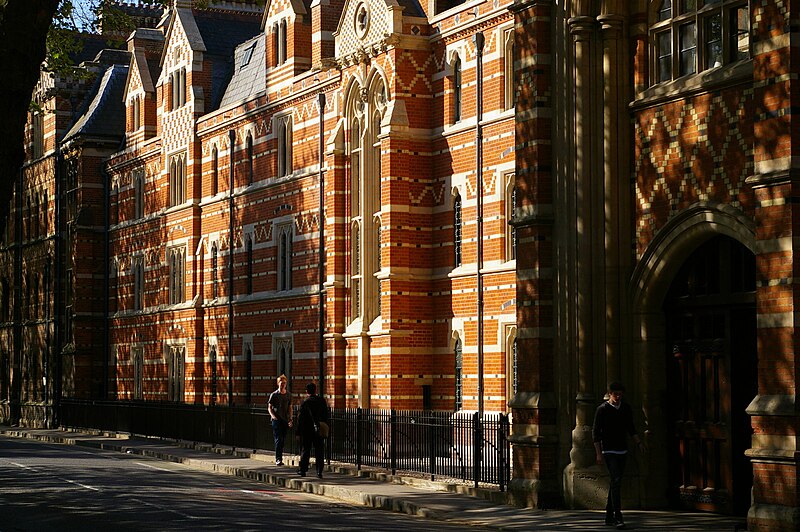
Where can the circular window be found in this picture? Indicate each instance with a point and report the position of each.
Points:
(362, 20)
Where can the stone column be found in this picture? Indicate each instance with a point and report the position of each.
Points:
(582, 28)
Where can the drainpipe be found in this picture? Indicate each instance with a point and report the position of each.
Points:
(107, 275)
(321, 244)
(232, 142)
(479, 41)
(16, 388)
(57, 285)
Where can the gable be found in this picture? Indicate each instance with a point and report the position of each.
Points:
(276, 10)
(365, 23)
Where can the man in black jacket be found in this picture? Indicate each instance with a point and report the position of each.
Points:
(313, 411)
(613, 422)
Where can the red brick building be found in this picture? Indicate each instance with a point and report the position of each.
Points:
(522, 201)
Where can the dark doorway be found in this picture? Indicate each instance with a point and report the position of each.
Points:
(712, 377)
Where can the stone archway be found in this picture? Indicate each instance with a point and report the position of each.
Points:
(650, 284)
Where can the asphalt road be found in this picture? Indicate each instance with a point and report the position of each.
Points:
(62, 487)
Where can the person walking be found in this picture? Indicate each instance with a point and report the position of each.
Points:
(279, 406)
(613, 422)
(313, 411)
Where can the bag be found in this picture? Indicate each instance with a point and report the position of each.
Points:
(322, 429)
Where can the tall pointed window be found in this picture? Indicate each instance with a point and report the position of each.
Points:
(137, 353)
(177, 179)
(176, 355)
(138, 193)
(457, 93)
(137, 113)
(457, 230)
(282, 347)
(691, 36)
(285, 257)
(214, 273)
(283, 131)
(138, 283)
(249, 159)
(284, 42)
(214, 170)
(511, 206)
(508, 70)
(512, 363)
(364, 112)
(176, 257)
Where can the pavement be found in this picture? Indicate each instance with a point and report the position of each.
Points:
(435, 500)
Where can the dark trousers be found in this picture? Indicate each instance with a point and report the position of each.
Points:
(616, 467)
(279, 429)
(312, 440)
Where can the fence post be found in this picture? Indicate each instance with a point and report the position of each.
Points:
(393, 441)
(433, 427)
(358, 438)
(502, 443)
(477, 445)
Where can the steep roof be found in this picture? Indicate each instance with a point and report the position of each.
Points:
(249, 75)
(103, 112)
(221, 33)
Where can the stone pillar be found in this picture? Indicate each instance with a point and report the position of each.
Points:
(535, 479)
(587, 183)
(776, 183)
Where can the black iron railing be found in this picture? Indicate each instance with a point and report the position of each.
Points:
(443, 445)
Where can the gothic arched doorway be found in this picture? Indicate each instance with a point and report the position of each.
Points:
(711, 377)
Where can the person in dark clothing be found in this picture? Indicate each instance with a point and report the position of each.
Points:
(613, 423)
(313, 411)
(279, 406)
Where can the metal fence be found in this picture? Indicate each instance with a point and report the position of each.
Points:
(448, 445)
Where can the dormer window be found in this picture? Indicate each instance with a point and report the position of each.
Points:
(687, 37)
(137, 113)
(247, 56)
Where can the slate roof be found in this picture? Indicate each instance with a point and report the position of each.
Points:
(412, 8)
(221, 34)
(103, 113)
(249, 76)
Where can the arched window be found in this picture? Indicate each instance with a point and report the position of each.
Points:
(285, 257)
(177, 265)
(138, 283)
(508, 70)
(282, 52)
(136, 113)
(282, 347)
(511, 206)
(249, 159)
(457, 95)
(457, 230)
(275, 45)
(214, 170)
(458, 374)
(364, 116)
(177, 180)
(249, 265)
(284, 136)
(138, 193)
(512, 373)
(214, 273)
(692, 36)
(45, 214)
(35, 216)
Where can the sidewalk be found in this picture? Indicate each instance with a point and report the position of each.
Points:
(434, 500)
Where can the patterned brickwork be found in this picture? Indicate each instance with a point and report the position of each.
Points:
(688, 152)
